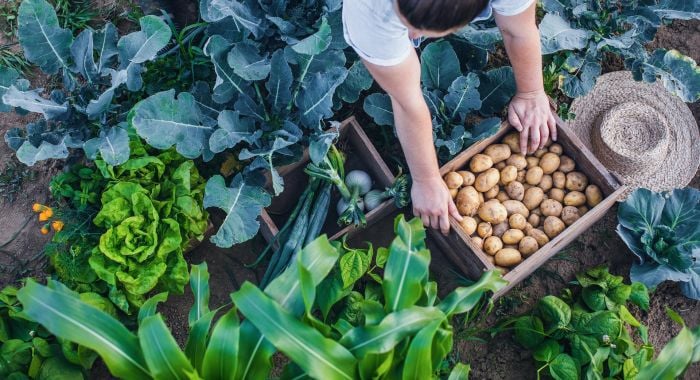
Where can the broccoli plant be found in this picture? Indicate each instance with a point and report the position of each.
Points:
(96, 67)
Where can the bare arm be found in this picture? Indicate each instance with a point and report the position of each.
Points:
(529, 110)
(431, 199)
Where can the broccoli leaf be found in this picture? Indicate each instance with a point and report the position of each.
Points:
(462, 96)
(31, 101)
(378, 106)
(242, 202)
(439, 65)
(232, 130)
(227, 84)
(315, 100)
(164, 120)
(112, 144)
(43, 41)
(556, 34)
(496, 87)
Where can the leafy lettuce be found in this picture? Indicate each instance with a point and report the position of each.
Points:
(152, 211)
(663, 231)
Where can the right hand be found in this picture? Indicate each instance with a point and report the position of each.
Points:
(433, 204)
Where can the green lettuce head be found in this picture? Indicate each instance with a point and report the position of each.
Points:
(140, 250)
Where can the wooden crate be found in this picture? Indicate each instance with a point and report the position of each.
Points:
(363, 156)
(472, 261)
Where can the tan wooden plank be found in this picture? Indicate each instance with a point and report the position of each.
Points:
(520, 272)
(460, 160)
(370, 156)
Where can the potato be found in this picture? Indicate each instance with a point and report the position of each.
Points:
(468, 224)
(557, 195)
(500, 228)
(551, 207)
(582, 210)
(484, 230)
(532, 161)
(492, 244)
(497, 152)
(511, 246)
(534, 175)
(491, 193)
(502, 196)
(501, 269)
(516, 207)
(467, 177)
(576, 181)
(467, 201)
(569, 215)
(480, 163)
(517, 221)
(508, 174)
(546, 183)
(517, 160)
(478, 242)
(539, 153)
(508, 257)
(486, 180)
(536, 211)
(575, 198)
(527, 186)
(521, 176)
(513, 236)
(553, 226)
(528, 245)
(515, 190)
(566, 164)
(500, 165)
(491, 259)
(533, 198)
(493, 212)
(549, 163)
(534, 220)
(453, 180)
(539, 236)
(559, 180)
(481, 197)
(593, 195)
(513, 141)
(556, 149)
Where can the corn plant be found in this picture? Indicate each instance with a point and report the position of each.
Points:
(403, 330)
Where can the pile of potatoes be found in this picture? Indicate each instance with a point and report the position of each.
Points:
(513, 204)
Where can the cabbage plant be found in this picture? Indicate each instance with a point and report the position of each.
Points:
(403, 331)
(663, 231)
(95, 67)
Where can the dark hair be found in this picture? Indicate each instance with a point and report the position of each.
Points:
(440, 15)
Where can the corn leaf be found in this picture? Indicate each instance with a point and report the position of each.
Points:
(199, 283)
(406, 270)
(68, 318)
(320, 357)
(418, 362)
(222, 354)
(164, 357)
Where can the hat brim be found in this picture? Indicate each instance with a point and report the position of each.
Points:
(678, 168)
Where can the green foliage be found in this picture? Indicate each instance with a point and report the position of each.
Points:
(97, 68)
(409, 338)
(676, 356)
(151, 211)
(28, 350)
(75, 15)
(663, 231)
(580, 32)
(8, 17)
(586, 332)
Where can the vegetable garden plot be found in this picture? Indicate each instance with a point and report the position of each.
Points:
(471, 259)
(360, 154)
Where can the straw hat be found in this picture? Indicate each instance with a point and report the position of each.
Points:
(642, 133)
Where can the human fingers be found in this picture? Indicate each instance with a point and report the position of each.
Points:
(552, 124)
(534, 138)
(514, 120)
(524, 135)
(544, 134)
(444, 223)
(426, 220)
(452, 210)
(435, 221)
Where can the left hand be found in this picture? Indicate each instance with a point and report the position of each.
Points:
(530, 114)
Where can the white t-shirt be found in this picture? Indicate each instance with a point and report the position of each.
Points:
(375, 31)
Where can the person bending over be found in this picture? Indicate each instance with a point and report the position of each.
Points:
(384, 34)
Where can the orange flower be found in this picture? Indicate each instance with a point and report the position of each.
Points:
(45, 215)
(45, 229)
(57, 225)
(38, 207)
